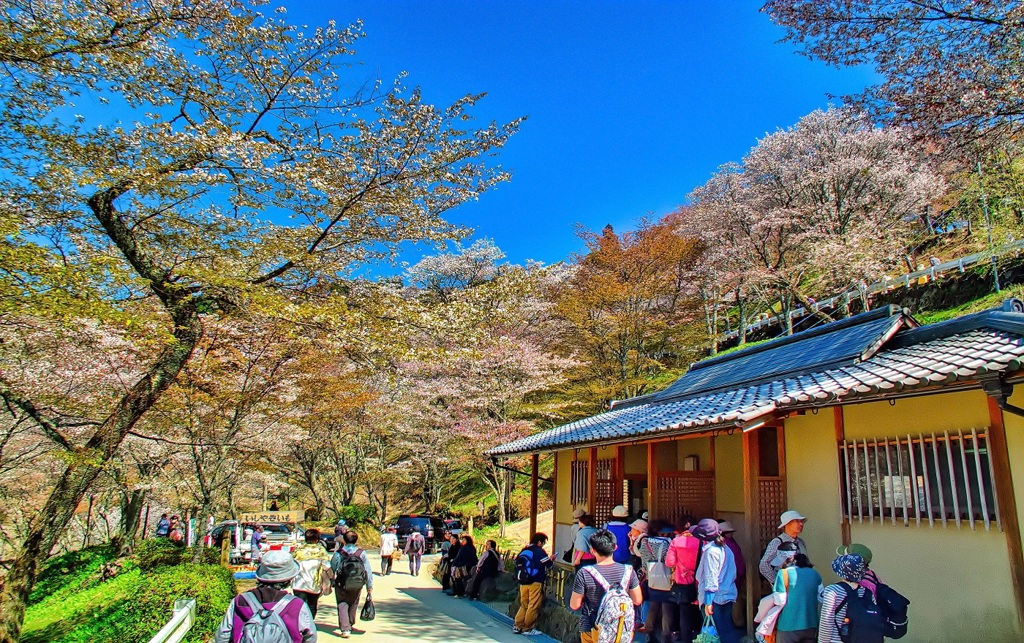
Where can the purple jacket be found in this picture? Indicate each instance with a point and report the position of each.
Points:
(296, 616)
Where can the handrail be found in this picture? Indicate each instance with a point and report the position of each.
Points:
(179, 625)
(931, 272)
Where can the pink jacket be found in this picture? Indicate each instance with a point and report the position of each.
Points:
(682, 556)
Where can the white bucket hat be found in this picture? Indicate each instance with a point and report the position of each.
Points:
(620, 512)
(277, 566)
(788, 517)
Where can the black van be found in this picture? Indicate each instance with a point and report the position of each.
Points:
(431, 527)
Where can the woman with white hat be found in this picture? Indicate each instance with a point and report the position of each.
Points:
(269, 603)
(792, 525)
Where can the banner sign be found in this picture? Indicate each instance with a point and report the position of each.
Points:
(297, 515)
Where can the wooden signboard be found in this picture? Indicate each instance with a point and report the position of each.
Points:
(297, 515)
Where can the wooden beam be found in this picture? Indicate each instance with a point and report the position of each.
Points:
(840, 426)
(999, 452)
(711, 452)
(652, 481)
(592, 482)
(751, 505)
(534, 474)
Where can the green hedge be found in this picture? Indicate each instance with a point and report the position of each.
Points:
(159, 552)
(70, 572)
(132, 606)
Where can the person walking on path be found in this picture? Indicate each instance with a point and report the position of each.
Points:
(352, 573)
(588, 590)
(792, 525)
(582, 554)
(850, 569)
(617, 525)
(313, 560)
(276, 571)
(683, 556)
(716, 579)
(254, 543)
(797, 587)
(415, 545)
(388, 548)
(531, 570)
(462, 565)
(163, 527)
(486, 567)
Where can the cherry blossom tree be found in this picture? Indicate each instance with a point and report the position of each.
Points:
(950, 68)
(244, 174)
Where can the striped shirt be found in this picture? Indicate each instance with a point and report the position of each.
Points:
(828, 626)
(592, 592)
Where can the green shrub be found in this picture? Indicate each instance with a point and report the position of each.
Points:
(133, 606)
(71, 572)
(357, 513)
(158, 552)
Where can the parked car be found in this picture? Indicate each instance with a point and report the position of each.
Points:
(276, 535)
(431, 527)
(453, 526)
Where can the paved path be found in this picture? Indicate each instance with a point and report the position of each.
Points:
(413, 608)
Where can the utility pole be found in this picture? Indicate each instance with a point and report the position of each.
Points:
(988, 226)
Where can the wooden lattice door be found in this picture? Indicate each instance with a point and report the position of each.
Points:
(686, 492)
(771, 495)
(608, 492)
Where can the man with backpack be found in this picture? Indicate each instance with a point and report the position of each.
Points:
(269, 614)
(606, 592)
(352, 572)
(415, 545)
(531, 570)
(792, 525)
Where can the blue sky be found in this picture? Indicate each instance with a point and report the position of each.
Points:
(630, 104)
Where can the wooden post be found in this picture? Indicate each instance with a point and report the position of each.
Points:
(620, 476)
(652, 481)
(1000, 455)
(752, 505)
(711, 452)
(592, 482)
(533, 493)
(840, 424)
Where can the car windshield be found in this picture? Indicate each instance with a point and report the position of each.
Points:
(276, 529)
(406, 523)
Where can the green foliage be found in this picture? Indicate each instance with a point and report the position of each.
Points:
(71, 572)
(157, 552)
(132, 606)
(359, 513)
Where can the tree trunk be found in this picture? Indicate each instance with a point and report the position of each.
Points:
(742, 322)
(88, 521)
(131, 513)
(86, 464)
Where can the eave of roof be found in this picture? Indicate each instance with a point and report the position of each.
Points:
(914, 361)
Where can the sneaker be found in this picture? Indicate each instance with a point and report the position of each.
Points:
(533, 632)
(345, 634)
(516, 630)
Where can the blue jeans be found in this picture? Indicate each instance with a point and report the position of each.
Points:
(722, 616)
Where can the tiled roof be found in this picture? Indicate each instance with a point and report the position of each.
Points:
(915, 357)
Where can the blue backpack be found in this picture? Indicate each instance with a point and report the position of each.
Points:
(527, 570)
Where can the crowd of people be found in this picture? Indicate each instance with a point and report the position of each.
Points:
(686, 582)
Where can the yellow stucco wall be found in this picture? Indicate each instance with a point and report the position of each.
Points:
(812, 476)
(563, 508)
(636, 458)
(957, 579)
(700, 447)
(729, 474)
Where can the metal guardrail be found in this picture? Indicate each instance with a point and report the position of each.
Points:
(930, 273)
(179, 625)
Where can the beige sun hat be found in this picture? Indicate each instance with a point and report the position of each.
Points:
(620, 512)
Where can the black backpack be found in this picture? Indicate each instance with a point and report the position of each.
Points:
(351, 573)
(893, 606)
(864, 622)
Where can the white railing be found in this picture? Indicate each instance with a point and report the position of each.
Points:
(179, 625)
(930, 273)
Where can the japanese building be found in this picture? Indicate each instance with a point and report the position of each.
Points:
(906, 438)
